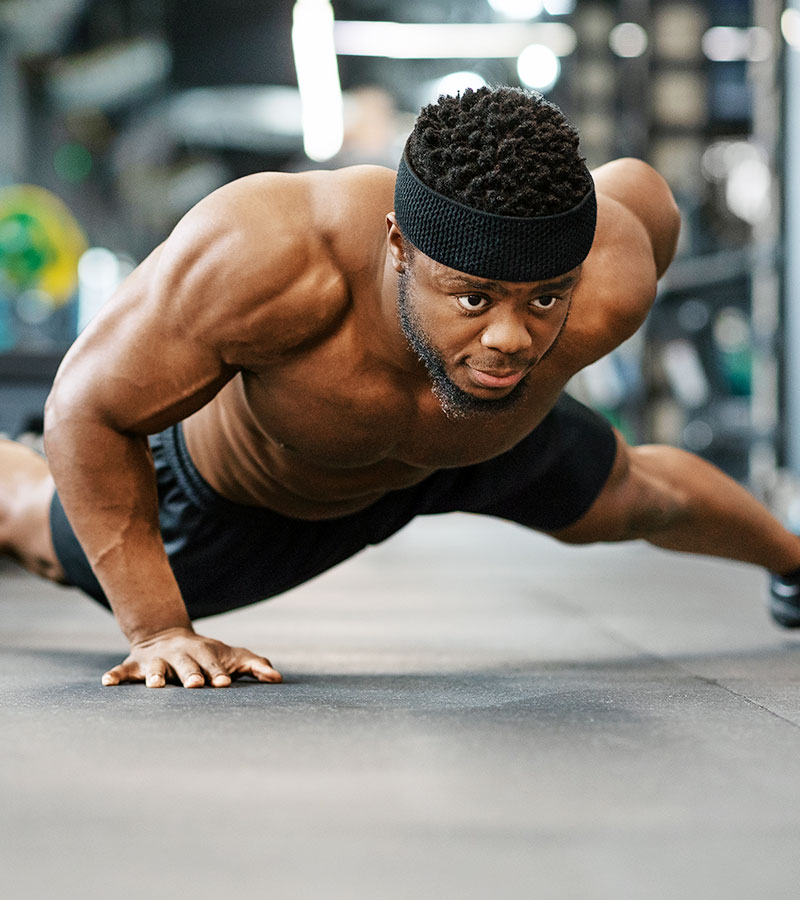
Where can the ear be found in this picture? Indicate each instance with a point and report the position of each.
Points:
(395, 243)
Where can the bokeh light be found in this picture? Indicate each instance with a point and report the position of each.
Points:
(628, 40)
(452, 84)
(517, 9)
(538, 67)
(790, 27)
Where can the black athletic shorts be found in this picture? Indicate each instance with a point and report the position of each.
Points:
(225, 555)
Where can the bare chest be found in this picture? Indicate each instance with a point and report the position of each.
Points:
(358, 416)
(328, 431)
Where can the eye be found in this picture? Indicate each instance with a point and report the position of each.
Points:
(546, 302)
(472, 302)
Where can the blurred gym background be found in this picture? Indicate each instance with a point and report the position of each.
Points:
(119, 115)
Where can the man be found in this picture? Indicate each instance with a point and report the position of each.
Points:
(320, 357)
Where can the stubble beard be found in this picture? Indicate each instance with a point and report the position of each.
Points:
(455, 402)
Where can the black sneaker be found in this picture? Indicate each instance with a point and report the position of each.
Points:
(784, 600)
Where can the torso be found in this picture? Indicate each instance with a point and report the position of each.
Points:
(307, 455)
(328, 426)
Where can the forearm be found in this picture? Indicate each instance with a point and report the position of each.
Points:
(106, 483)
(108, 489)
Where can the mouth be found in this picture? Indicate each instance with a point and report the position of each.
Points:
(496, 379)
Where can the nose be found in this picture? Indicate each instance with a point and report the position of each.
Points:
(507, 334)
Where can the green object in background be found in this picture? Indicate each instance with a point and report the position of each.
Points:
(732, 342)
(8, 336)
(621, 422)
(40, 243)
(72, 162)
(737, 367)
(25, 249)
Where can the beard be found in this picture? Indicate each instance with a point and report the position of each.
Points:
(456, 403)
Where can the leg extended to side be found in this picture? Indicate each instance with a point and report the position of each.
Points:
(26, 490)
(678, 501)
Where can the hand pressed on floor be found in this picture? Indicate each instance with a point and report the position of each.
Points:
(181, 656)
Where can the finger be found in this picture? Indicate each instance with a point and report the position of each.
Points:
(126, 671)
(215, 673)
(261, 669)
(156, 673)
(188, 671)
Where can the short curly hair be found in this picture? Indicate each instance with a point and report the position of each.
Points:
(503, 150)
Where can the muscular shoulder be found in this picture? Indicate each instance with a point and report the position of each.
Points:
(266, 261)
(637, 229)
(645, 195)
(349, 207)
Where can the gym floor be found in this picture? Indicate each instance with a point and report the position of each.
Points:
(470, 711)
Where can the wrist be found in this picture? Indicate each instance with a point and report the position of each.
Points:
(143, 616)
(145, 635)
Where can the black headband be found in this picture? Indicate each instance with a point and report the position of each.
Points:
(507, 248)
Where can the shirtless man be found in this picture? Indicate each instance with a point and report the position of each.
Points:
(311, 360)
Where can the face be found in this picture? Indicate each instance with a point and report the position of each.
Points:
(479, 339)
